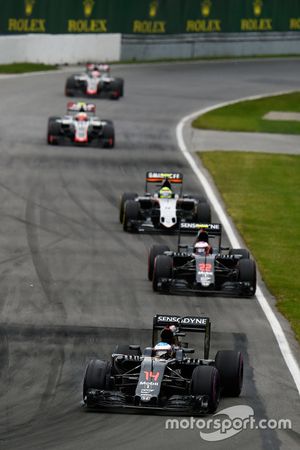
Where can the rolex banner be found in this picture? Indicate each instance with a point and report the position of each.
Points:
(148, 16)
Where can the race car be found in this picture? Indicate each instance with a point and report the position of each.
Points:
(96, 81)
(163, 206)
(203, 267)
(80, 126)
(164, 378)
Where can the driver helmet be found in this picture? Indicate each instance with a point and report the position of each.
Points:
(201, 248)
(81, 117)
(202, 236)
(165, 192)
(167, 334)
(162, 350)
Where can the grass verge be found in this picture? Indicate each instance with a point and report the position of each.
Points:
(247, 116)
(261, 193)
(25, 67)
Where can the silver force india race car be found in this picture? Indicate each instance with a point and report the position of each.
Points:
(96, 81)
(203, 267)
(164, 378)
(163, 206)
(81, 126)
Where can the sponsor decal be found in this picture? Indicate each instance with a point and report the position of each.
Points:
(28, 24)
(87, 26)
(150, 26)
(29, 4)
(153, 7)
(204, 24)
(148, 383)
(183, 320)
(88, 6)
(294, 24)
(257, 23)
(257, 7)
(170, 175)
(205, 8)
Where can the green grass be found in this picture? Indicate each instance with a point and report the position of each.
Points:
(247, 116)
(261, 192)
(25, 67)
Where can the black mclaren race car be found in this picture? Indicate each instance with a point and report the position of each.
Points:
(81, 126)
(163, 206)
(95, 82)
(203, 267)
(164, 378)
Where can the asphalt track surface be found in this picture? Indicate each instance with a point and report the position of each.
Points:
(73, 284)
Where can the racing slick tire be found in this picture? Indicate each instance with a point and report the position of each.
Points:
(203, 213)
(115, 92)
(247, 273)
(71, 87)
(53, 132)
(131, 212)
(125, 349)
(231, 369)
(206, 381)
(154, 251)
(244, 253)
(108, 136)
(163, 268)
(97, 374)
(126, 196)
(120, 83)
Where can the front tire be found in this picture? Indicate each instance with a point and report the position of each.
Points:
(163, 268)
(231, 369)
(154, 251)
(96, 376)
(131, 212)
(247, 273)
(125, 197)
(53, 131)
(108, 136)
(206, 381)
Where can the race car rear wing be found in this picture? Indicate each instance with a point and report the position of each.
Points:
(194, 324)
(213, 229)
(157, 178)
(81, 106)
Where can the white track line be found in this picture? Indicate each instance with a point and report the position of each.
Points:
(234, 239)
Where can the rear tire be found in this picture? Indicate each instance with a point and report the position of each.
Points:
(131, 212)
(203, 213)
(231, 369)
(96, 375)
(206, 381)
(70, 88)
(154, 251)
(120, 83)
(247, 273)
(163, 268)
(126, 196)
